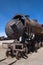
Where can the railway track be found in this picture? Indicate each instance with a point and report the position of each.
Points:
(8, 61)
(4, 60)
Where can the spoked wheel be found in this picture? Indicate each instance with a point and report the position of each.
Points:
(39, 44)
(12, 51)
(36, 45)
(12, 55)
(42, 44)
(18, 55)
(26, 50)
(7, 53)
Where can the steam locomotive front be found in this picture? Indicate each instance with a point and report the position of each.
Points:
(15, 27)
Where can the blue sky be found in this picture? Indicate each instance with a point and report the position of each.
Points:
(9, 8)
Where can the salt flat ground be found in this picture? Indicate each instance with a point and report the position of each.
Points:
(33, 58)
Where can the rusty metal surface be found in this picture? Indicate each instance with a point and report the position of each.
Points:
(14, 29)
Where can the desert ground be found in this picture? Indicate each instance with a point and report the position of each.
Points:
(33, 58)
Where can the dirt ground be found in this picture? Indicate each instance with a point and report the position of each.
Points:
(33, 58)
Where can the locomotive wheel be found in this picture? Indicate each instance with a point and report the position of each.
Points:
(42, 44)
(39, 44)
(12, 55)
(26, 50)
(7, 53)
(36, 45)
(18, 55)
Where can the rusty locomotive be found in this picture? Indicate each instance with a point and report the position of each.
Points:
(29, 31)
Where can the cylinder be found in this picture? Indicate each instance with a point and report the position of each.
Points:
(15, 27)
